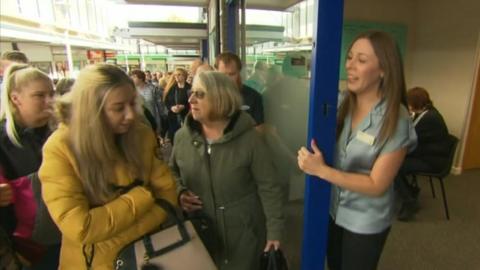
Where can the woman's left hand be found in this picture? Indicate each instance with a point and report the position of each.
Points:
(272, 244)
(311, 163)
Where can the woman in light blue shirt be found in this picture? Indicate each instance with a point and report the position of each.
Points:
(374, 133)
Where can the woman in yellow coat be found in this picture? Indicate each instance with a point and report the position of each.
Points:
(101, 147)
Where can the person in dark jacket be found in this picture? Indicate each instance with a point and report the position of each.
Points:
(25, 112)
(231, 65)
(225, 174)
(431, 153)
(175, 97)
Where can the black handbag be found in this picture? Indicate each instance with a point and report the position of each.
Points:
(273, 260)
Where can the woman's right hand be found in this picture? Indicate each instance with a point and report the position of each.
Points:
(6, 194)
(178, 108)
(190, 202)
(311, 162)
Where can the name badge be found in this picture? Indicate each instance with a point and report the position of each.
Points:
(245, 108)
(365, 137)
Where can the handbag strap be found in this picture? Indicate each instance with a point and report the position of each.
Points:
(180, 223)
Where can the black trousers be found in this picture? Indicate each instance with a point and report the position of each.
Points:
(405, 191)
(347, 250)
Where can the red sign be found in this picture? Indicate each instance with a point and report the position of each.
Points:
(110, 54)
(95, 54)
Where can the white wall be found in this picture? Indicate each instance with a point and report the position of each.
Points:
(36, 52)
(445, 56)
(5, 46)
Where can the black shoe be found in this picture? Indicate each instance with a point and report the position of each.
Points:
(408, 210)
(415, 192)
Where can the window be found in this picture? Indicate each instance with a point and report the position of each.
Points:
(92, 15)
(46, 10)
(9, 7)
(82, 11)
(74, 14)
(62, 13)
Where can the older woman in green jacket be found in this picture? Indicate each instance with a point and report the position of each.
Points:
(224, 173)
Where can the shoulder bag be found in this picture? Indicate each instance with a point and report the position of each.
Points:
(174, 248)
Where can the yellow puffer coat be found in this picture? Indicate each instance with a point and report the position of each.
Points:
(110, 227)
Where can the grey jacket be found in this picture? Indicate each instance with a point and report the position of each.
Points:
(233, 177)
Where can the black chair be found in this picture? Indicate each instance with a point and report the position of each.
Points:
(453, 141)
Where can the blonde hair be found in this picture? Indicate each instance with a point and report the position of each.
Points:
(16, 77)
(172, 81)
(63, 108)
(95, 147)
(162, 83)
(221, 92)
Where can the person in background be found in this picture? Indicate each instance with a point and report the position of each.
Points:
(150, 99)
(204, 67)
(8, 58)
(159, 75)
(27, 108)
(63, 86)
(431, 154)
(155, 79)
(258, 79)
(148, 77)
(193, 69)
(374, 134)
(11, 57)
(224, 172)
(162, 83)
(175, 98)
(100, 173)
(162, 109)
(231, 65)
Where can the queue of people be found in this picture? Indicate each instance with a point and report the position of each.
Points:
(97, 163)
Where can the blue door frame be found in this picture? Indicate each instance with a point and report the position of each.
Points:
(204, 49)
(327, 37)
(232, 14)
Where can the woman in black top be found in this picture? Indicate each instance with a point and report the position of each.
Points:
(25, 113)
(175, 98)
(432, 149)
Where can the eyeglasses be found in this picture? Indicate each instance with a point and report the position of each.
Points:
(198, 94)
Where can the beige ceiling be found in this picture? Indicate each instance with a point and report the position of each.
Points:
(251, 4)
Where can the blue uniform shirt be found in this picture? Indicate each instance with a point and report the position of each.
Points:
(356, 152)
